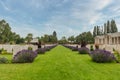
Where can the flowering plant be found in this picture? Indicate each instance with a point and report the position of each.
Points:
(83, 50)
(24, 56)
(102, 56)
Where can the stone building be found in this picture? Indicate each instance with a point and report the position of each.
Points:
(34, 41)
(110, 38)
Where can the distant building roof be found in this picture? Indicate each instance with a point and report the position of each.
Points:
(101, 37)
(109, 34)
(35, 40)
(114, 34)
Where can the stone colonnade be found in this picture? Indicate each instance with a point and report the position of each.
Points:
(108, 40)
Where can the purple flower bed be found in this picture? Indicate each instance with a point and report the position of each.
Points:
(73, 48)
(48, 48)
(83, 50)
(102, 56)
(41, 50)
(24, 56)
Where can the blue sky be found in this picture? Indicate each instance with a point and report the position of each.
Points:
(66, 17)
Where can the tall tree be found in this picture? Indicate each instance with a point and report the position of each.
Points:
(63, 40)
(71, 39)
(101, 31)
(105, 28)
(113, 27)
(85, 37)
(98, 30)
(29, 37)
(5, 32)
(90, 38)
(108, 27)
(55, 34)
(94, 31)
(54, 37)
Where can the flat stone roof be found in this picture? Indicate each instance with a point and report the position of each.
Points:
(117, 34)
(114, 34)
(35, 40)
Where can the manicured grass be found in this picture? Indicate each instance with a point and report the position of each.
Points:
(60, 64)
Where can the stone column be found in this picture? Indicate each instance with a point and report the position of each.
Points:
(98, 42)
(117, 40)
(105, 40)
(110, 39)
(114, 40)
(102, 41)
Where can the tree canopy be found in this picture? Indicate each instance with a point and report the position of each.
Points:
(109, 27)
(7, 36)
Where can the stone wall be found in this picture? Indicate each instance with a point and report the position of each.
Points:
(16, 48)
(105, 46)
(108, 47)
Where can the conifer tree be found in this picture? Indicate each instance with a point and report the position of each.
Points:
(108, 26)
(94, 31)
(105, 28)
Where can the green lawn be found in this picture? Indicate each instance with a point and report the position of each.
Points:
(60, 64)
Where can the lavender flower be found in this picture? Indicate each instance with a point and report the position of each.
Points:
(74, 48)
(41, 50)
(83, 50)
(102, 56)
(24, 56)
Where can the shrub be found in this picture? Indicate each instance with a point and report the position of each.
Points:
(0, 51)
(3, 51)
(117, 55)
(3, 60)
(83, 50)
(91, 48)
(30, 48)
(102, 56)
(47, 48)
(24, 56)
(74, 48)
(41, 50)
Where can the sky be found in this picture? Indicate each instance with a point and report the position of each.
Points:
(66, 17)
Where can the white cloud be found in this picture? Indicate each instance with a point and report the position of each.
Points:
(4, 5)
(79, 16)
(101, 4)
(24, 29)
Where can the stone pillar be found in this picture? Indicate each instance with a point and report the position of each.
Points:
(117, 40)
(102, 41)
(105, 40)
(97, 41)
(110, 40)
(114, 40)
